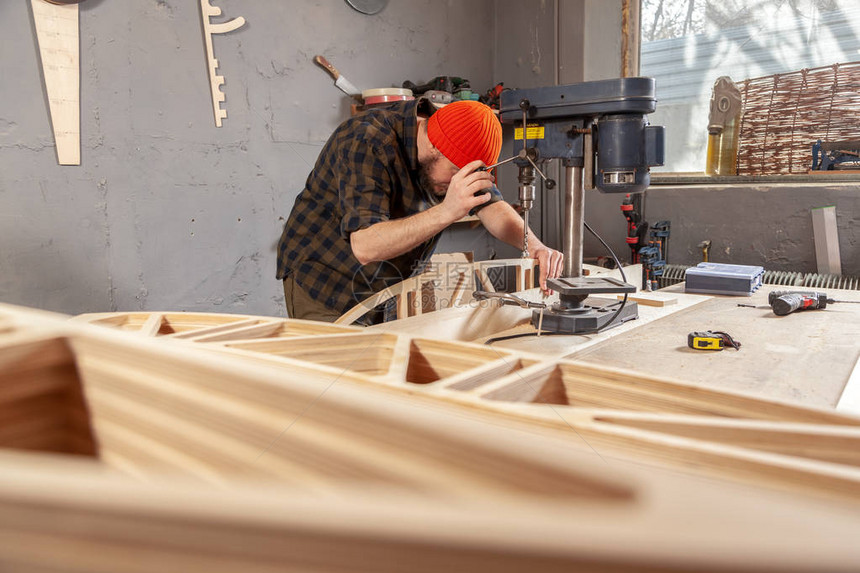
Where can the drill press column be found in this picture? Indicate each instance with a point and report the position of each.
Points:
(574, 219)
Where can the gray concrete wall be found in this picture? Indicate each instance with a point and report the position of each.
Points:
(587, 47)
(766, 225)
(525, 57)
(169, 212)
(166, 211)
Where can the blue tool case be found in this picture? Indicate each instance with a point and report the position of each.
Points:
(720, 278)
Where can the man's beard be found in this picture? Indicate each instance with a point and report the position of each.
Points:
(426, 182)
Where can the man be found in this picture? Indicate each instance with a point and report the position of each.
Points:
(385, 185)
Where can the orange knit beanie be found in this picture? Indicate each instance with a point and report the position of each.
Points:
(464, 131)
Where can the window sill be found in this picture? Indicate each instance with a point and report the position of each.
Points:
(826, 177)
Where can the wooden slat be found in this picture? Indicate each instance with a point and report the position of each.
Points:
(833, 444)
(826, 235)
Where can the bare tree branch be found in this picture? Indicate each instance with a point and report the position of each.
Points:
(688, 22)
(657, 15)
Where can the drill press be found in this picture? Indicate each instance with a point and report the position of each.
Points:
(599, 132)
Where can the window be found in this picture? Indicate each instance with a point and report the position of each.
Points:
(687, 44)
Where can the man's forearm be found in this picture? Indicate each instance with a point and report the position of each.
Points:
(388, 239)
(505, 224)
(502, 222)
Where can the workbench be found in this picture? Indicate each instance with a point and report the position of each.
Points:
(805, 357)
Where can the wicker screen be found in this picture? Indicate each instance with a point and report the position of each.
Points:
(784, 114)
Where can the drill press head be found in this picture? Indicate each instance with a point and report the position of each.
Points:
(598, 124)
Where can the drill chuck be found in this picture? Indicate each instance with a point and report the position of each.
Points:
(527, 196)
(526, 179)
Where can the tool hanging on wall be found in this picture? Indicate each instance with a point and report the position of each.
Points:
(458, 88)
(649, 244)
(450, 84)
(706, 249)
(658, 245)
(493, 96)
(637, 229)
(216, 81)
(340, 81)
(652, 267)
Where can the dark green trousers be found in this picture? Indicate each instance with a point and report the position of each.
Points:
(301, 305)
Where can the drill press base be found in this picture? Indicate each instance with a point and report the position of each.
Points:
(571, 316)
(587, 319)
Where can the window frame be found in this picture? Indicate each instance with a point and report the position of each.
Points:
(631, 56)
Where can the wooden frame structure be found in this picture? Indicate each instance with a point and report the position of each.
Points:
(449, 282)
(224, 443)
(618, 413)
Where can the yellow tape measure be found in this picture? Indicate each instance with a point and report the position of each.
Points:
(711, 340)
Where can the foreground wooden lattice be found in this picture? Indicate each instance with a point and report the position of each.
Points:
(225, 443)
(716, 432)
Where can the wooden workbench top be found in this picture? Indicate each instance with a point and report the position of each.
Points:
(804, 357)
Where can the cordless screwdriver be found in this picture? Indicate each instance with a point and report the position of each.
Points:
(785, 302)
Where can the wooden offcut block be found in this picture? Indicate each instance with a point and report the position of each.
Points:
(653, 299)
(826, 235)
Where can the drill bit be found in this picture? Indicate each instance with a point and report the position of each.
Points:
(525, 234)
(524, 181)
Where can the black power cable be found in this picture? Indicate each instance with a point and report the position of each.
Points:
(610, 321)
(620, 269)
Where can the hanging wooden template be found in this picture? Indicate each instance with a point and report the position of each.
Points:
(215, 81)
(57, 30)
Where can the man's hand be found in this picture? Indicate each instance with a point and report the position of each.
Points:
(551, 265)
(502, 222)
(460, 197)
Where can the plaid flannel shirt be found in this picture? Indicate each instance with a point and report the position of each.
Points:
(366, 173)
